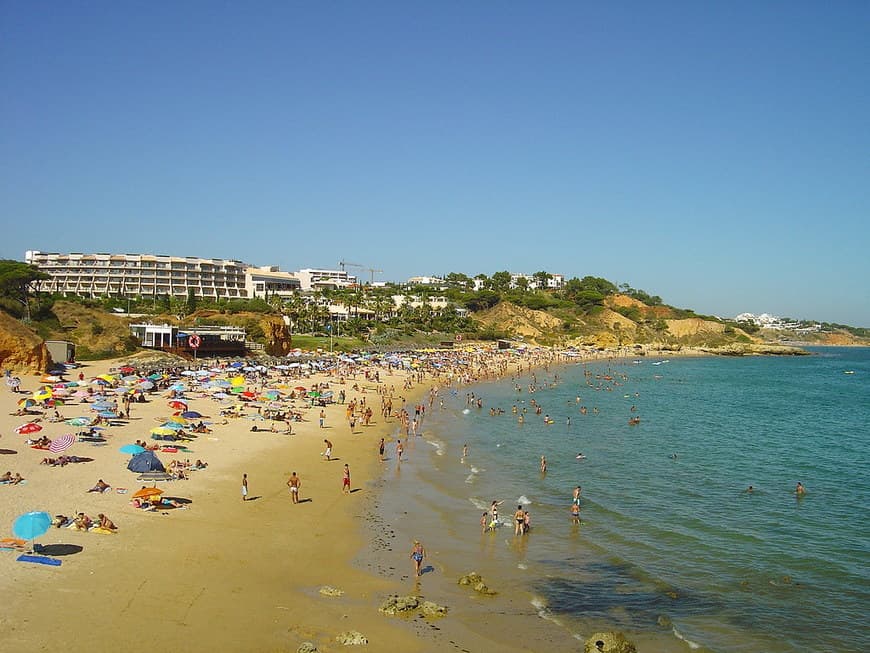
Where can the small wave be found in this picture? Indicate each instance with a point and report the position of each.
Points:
(439, 446)
(476, 470)
(466, 411)
(524, 500)
(477, 503)
(470, 479)
(543, 611)
(522, 565)
(679, 635)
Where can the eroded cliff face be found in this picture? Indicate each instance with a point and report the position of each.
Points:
(21, 350)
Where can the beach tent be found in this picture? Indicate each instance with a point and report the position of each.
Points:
(145, 462)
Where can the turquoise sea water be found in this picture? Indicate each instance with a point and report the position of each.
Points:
(668, 546)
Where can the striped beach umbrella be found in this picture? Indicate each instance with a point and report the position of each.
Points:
(62, 443)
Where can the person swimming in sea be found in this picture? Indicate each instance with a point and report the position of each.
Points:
(580, 456)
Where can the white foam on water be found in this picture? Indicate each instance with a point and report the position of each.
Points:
(438, 444)
(522, 565)
(477, 503)
(476, 470)
(543, 611)
(679, 635)
(470, 478)
(524, 500)
(466, 411)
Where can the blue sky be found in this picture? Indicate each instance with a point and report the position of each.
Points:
(715, 154)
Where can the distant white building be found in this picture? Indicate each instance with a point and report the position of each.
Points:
(767, 321)
(425, 281)
(320, 279)
(269, 280)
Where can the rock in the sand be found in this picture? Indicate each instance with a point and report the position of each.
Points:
(612, 642)
(307, 647)
(398, 604)
(430, 609)
(470, 579)
(483, 588)
(351, 638)
(326, 590)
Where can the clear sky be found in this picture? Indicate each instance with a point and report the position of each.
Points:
(715, 154)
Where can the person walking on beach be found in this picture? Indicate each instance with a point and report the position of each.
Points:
(417, 555)
(244, 487)
(294, 484)
(327, 453)
(322, 418)
(381, 446)
(399, 449)
(345, 481)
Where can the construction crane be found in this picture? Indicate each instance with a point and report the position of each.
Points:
(344, 264)
(372, 272)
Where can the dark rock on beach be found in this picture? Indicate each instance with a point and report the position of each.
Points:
(612, 642)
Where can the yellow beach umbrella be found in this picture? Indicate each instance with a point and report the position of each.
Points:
(237, 380)
(42, 395)
(162, 430)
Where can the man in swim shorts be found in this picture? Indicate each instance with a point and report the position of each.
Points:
(328, 452)
(294, 483)
(345, 481)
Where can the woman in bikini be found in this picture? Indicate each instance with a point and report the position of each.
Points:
(519, 521)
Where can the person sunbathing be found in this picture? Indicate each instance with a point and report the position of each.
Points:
(101, 486)
(199, 464)
(83, 522)
(16, 479)
(6, 478)
(106, 523)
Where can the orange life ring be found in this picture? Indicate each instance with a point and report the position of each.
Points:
(194, 341)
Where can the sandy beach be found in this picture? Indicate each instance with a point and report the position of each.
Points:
(221, 572)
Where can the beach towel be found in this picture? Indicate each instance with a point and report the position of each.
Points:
(39, 560)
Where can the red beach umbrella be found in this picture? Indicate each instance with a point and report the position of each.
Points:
(177, 404)
(30, 427)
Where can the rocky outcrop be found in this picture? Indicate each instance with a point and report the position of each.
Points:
(753, 349)
(277, 336)
(326, 590)
(307, 647)
(612, 642)
(475, 580)
(351, 638)
(21, 350)
(409, 605)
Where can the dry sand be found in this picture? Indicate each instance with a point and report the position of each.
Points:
(222, 574)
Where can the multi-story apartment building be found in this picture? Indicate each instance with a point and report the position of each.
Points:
(268, 280)
(317, 279)
(144, 275)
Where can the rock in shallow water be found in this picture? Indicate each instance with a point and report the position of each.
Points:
(307, 647)
(326, 590)
(351, 638)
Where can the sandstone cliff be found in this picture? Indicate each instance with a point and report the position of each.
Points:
(21, 350)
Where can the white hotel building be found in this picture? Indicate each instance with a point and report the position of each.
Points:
(144, 275)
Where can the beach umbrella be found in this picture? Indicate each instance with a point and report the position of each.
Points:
(78, 421)
(147, 492)
(42, 395)
(107, 377)
(190, 414)
(100, 382)
(162, 430)
(50, 379)
(62, 443)
(299, 388)
(145, 462)
(178, 404)
(108, 414)
(30, 427)
(131, 449)
(127, 369)
(27, 403)
(236, 364)
(31, 525)
(237, 381)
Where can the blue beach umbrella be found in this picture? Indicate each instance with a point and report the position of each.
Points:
(79, 421)
(190, 414)
(31, 525)
(131, 449)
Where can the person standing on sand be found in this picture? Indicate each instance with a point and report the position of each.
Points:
(322, 418)
(345, 480)
(327, 453)
(417, 555)
(399, 449)
(294, 484)
(244, 487)
(381, 446)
